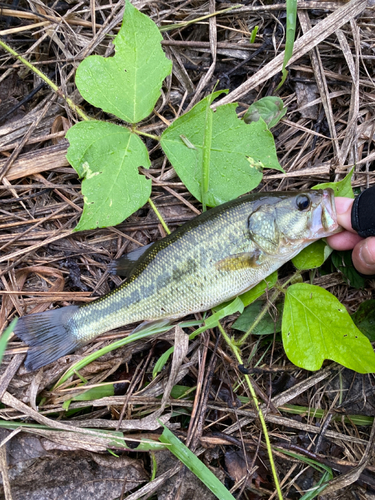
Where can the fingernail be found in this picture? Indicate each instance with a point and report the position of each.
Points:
(343, 205)
(367, 254)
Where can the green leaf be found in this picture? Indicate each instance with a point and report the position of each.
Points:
(364, 318)
(179, 391)
(254, 34)
(270, 108)
(127, 84)
(5, 337)
(312, 256)
(291, 17)
(149, 445)
(266, 326)
(317, 490)
(230, 154)
(340, 188)
(193, 463)
(314, 412)
(107, 157)
(99, 392)
(343, 263)
(322, 484)
(316, 326)
(259, 289)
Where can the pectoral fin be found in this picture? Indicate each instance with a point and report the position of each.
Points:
(125, 265)
(240, 261)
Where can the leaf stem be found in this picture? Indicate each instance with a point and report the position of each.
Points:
(145, 134)
(159, 216)
(237, 354)
(45, 78)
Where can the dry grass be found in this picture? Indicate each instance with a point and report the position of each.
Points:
(329, 128)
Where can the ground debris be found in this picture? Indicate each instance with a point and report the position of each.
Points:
(326, 416)
(37, 471)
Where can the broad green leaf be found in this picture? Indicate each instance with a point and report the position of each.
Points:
(127, 84)
(364, 318)
(270, 108)
(312, 256)
(340, 188)
(266, 326)
(107, 157)
(259, 289)
(192, 462)
(316, 326)
(233, 151)
(343, 263)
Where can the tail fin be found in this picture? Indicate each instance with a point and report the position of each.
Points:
(48, 334)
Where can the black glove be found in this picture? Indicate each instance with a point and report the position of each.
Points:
(363, 217)
(363, 213)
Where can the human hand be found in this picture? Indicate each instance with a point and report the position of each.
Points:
(363, 255)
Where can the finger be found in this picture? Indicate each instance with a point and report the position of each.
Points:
(344, 211)
(364, 256)
(343, 241)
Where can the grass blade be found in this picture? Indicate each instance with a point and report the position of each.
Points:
(291, 18)
(193, 463)
(5, 337)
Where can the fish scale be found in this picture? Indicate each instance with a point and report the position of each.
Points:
(211, 259)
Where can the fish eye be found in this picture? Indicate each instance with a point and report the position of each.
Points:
(303, 202)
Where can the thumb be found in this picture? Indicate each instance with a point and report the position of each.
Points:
(364, 256)
(344, 210)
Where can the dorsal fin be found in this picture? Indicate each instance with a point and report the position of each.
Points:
(125, 265)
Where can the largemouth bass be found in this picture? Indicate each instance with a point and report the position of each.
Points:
(211, 259)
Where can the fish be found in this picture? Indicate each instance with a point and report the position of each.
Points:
(211, 259)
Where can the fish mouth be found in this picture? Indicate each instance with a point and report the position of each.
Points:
(329, 216)
(326, 217)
